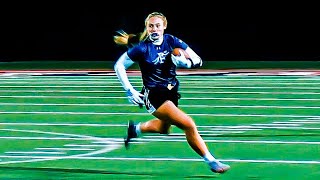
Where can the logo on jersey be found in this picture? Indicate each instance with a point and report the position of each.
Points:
(161, 57)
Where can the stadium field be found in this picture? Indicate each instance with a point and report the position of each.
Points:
(62, 126)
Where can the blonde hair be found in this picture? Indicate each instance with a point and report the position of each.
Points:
(131, 39)
(125, 39)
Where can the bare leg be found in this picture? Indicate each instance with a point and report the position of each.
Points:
(155, 126)
(168, 114)
(173, 115)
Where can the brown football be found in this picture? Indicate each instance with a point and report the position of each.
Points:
(176, 52)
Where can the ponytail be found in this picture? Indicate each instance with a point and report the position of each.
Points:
(125, 39)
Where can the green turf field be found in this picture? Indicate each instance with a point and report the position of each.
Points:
(72, 127)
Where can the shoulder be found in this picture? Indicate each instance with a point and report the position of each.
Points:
(138, 50)
(168, 37)
(175, 41)
(140, 47)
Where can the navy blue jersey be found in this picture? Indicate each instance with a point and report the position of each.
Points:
(155, 61)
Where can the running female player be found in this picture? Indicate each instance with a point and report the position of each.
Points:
(152, 51)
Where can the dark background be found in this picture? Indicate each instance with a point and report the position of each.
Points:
(56, 30)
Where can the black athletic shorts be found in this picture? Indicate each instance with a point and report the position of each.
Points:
(155, 97)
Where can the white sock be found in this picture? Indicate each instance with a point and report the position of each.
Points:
(138, 130)
(208, 157)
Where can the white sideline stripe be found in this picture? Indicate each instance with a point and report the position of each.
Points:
(213, 127)
(245, 92)
(60, 91)
(296, 127)
(198, 98)
(100, 144)
(44, 138)
(194, 78)
(232, 129)
(264, 99)
(179, 136)
(151, 139)
(298, 122)
(310, 120)
(165, 159)
(62, 104)
(185, 87)
(182, 91)
(285, 125)
(33, 152)
(116, 82)
(147, 114)
(200, 106)
(118, 142)
(224, 128)
(54, 80)
(221, 131)
(227, 141)
(66, 149)
(65, 124)
(87, 145)
(243, 128)
(248, 78)
(64, 79)
(262, 127)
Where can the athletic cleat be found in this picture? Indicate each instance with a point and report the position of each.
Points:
(131, 133)
(218, 167)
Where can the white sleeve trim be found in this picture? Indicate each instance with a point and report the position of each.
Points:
(120, 67)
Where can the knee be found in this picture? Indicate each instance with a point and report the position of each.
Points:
(164, 130)
(189, 125)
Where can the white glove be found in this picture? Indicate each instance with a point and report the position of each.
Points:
(196, 62)
(135, 97)
(181, 61)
